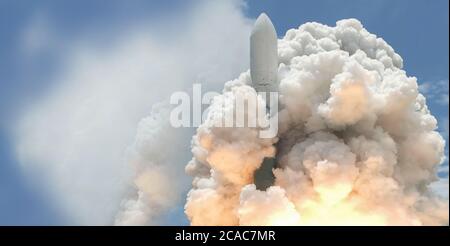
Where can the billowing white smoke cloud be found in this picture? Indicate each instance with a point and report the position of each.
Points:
(155, 158)
(357, 144)
(74, 139)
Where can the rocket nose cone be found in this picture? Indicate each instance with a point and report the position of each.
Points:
(263, 17)
(263, 22)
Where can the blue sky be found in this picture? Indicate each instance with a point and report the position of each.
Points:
(417, 30)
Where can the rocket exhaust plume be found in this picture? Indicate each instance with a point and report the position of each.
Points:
(356, 144)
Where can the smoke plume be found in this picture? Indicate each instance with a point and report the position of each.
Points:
(72, 139)
(356, 145)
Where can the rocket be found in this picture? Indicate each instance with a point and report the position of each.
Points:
(264, 56)
(263, 72)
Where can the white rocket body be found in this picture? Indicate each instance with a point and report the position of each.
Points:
(264, 56)
(263, 71)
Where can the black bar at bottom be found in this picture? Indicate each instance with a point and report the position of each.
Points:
(201, 235)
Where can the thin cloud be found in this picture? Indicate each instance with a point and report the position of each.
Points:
(74, 138)
(436, 91)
